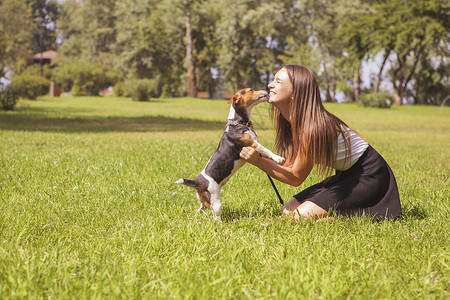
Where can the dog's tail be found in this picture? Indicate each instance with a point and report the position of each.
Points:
(187, 182)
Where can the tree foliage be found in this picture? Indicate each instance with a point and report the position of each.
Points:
(409, 30)
(16, 32)
(184, 46)
(45, 14)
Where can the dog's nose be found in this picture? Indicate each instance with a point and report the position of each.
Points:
(265, 95)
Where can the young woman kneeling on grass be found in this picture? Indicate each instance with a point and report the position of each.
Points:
(308, 135)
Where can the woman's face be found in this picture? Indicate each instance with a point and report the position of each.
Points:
(280, 88)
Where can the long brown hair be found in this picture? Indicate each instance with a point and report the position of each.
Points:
(313, 131)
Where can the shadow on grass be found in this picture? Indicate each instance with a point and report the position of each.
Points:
(25, 122)
(414, 212)
(230, 214)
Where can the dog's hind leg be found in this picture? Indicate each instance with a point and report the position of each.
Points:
(214, 190)
(216, 203)
(216, 207)
(201, 209)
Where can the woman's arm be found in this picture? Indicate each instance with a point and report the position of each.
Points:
(293, 174)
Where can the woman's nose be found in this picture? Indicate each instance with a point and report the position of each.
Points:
(270, 85)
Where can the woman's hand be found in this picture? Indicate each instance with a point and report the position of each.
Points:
(250, 155)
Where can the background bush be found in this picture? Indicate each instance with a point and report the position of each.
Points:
(8, 99)
(118, 89)
(141, 89)
(29, 86)
(85, 78)
(381, 100)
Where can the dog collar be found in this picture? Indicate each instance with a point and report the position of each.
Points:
(234, 122)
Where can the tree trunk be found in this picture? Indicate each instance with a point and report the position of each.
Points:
(236, 79)
(356, 86)
(398, 95)
(418, 52)
(141, 71)
(398, 90)
(333, 77)
(327, 85)
(400, 80)
(397, 80)
(378, 82)
(191, 84)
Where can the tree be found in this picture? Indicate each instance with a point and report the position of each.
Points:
(432, 81)
(206, 45)
(45, 14)
(139, 37)
(193, 22)
(357, 46)
(341, 47)
(191, 82)
(87, 29)
(424, 24)
(180, 43)
(275, 37)
(70, 29)
(236, 39)
(408, 31)
(16, 33)
(182, 68)
(323, 19)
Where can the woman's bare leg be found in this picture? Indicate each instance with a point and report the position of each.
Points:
(290, 206)
(306, 209)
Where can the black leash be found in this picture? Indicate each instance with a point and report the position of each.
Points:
(274, 187)
(276, 191)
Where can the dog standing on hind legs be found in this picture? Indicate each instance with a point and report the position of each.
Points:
(225, 161)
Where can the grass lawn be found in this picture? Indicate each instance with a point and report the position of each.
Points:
(88, 208)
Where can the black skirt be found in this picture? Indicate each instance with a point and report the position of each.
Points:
(367, 188)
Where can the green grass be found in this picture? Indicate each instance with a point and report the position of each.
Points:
(88, 208)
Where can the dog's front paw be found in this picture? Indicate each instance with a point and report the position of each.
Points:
(278, 159)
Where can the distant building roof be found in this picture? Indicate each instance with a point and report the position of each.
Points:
(50, 54)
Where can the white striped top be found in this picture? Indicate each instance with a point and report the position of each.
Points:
(358, 146)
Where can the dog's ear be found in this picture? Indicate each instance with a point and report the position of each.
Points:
(235, 99)
(232, 99)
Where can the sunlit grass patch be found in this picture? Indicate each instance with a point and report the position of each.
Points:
(90, 210)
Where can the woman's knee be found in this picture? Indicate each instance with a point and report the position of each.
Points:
(309, 209)
(290, 206)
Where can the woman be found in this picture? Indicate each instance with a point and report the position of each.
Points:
(307, 136)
